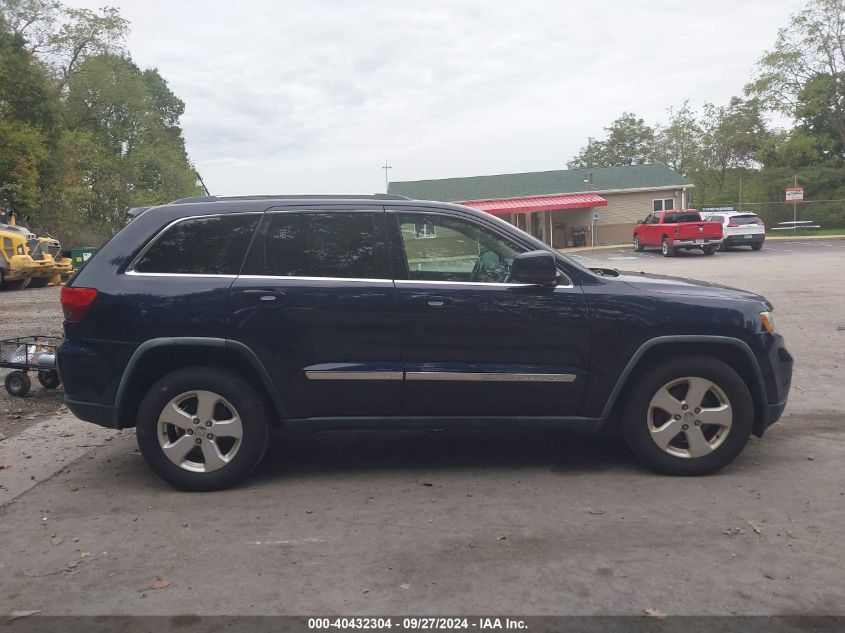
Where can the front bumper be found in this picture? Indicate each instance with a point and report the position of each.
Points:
(777, 374)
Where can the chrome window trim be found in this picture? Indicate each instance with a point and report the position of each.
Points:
(297, 278)
(353, 375)
(504, 284)
(487, 376)
(135, 273)
(130, 269)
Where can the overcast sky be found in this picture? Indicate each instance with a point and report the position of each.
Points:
(313, 95)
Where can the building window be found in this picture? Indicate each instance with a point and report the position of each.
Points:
(664, 204)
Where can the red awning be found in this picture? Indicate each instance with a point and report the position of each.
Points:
(539, 203)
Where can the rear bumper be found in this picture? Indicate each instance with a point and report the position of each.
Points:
(100, 414)
(741, 240)
(698, 241)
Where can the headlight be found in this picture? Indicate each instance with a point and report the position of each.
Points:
(20, 250)
(767, 320)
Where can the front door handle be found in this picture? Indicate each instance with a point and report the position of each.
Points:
(435, 301)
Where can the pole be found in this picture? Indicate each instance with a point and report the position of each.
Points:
(795, 210)
(202, 182)
(385, 167)
(740, 193)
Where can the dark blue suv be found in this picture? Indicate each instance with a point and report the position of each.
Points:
(207, 321)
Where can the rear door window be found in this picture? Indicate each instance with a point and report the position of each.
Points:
(212, 245)
(335, 244)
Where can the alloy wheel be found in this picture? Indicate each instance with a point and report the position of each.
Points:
(689, 417)
(200, 431)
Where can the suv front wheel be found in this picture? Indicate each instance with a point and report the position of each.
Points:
(689, 416)
(202, 429)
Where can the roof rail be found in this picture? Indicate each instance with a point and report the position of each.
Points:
(295, 196)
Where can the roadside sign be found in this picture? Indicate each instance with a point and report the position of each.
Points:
(595, 216)
(795, 194)
(719, 209)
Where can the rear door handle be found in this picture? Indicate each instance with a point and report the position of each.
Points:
(263, 294)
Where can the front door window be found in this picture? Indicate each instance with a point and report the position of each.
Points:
(444, 248)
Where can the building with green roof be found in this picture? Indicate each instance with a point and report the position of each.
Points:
(566, 207)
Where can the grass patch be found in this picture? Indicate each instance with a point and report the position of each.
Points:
(805, 232)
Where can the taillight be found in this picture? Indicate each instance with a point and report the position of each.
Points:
(677, 230)
(76, 301)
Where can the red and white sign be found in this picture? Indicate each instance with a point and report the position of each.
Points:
(795, 194)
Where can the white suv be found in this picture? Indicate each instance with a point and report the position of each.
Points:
(739, 229)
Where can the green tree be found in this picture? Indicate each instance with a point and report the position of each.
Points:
(806, 65)
(22, 148)
(629, 141)
(83, 34)
(678, 142)
(33, 21)
(131, 118)
(732, 136)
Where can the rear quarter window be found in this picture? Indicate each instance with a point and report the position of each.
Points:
(214, 245)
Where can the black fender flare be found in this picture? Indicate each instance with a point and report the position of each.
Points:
(196, 341)
(759, 389)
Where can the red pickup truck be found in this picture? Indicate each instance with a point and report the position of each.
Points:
(676, 229)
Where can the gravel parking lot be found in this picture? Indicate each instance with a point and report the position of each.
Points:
(516, 521)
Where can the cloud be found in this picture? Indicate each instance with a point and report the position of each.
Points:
(313, 95)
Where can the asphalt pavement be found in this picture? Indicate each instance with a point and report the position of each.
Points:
(458, 522)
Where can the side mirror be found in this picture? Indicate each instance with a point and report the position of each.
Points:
(535, 267)
(639, 221)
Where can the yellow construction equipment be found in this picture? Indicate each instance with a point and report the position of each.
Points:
(29, 260)
(16, 264)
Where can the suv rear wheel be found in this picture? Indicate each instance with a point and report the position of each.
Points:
(689, 416)
(202, 429)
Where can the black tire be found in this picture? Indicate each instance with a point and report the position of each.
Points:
(757, 247)
(709, 250)
(666, 249)
(637, 246)
(18, 383)
(17, 284)
(250, 406)
(49, 378)
(39, 282)
(636, 417)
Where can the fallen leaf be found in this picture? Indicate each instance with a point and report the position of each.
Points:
(4, 466)
(595, 511)
(159, 583)
(85, 554)
(655, 613)
(756, 526)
